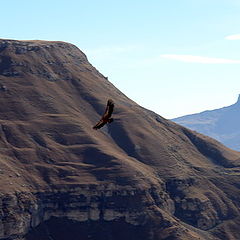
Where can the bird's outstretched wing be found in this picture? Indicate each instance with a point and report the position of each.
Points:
(106, 116)
(109, 109)
(100, 124)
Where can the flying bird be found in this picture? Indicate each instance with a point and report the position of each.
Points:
(106, 118)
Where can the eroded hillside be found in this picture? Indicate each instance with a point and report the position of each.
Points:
(140, 177)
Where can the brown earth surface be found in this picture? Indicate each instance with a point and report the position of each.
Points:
(140, 177)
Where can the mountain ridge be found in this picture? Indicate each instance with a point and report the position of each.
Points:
(221, 124)
(142, 173)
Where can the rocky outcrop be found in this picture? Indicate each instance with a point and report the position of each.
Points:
(22, 212)
(204, 211)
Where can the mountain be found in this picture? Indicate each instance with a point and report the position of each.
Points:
(221, 124)
(141, 177)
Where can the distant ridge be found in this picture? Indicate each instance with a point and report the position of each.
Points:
(221, 124)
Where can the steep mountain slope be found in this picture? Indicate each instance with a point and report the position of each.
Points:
(221, 124)
(141, 177)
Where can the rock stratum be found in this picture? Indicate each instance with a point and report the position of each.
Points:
(141, 177)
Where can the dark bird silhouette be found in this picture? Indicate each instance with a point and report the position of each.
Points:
(106, 118)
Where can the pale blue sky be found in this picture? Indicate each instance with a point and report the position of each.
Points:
(174, 57)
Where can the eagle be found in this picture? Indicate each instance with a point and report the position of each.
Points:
(106, 118)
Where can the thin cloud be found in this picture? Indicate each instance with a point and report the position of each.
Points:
(199, 59)
(233, 37)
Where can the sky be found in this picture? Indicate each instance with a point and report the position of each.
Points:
(173, 57)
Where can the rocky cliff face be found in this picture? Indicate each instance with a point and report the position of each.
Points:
(107, 204)
(141, 177)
